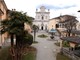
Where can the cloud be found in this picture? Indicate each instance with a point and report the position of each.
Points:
(56, 7)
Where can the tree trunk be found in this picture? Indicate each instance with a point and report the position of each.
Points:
(12, 40)
(12, 51)
(34, 35)
(18, 48)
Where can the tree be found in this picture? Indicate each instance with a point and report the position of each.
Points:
(14, 25)
(27, 39)
(70, 24)
(35, 28)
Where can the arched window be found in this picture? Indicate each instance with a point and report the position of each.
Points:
(57, 25)
(42, 17)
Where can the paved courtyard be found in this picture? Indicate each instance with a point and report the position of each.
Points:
(46, 49)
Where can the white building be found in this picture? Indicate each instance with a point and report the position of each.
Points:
(42, 18)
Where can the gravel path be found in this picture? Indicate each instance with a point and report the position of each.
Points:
(46, 49)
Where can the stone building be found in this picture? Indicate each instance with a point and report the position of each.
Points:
(42, 18)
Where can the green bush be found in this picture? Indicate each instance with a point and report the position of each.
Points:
(65, 44)
(28, 39)
(42, 36)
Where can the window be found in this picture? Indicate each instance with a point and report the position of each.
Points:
(38, 17)
(46, 17)
(42, 17)
(57, 25)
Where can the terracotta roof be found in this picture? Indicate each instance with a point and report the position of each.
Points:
(56, 18)
(67, 18)
(74, 39)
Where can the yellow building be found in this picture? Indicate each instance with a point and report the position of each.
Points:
(27, 27)
(3, 15)
(53, 23)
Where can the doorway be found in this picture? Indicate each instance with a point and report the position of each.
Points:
(57, 25)
(42, 28)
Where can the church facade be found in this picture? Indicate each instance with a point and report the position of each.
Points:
(42, 18)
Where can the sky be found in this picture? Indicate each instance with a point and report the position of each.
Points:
(57, 7)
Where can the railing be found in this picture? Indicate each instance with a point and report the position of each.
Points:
(70, 54)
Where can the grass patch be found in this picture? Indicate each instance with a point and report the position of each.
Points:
(4, 54)
(30, 55)
(42, 36)
(65, 44)
(62, 57)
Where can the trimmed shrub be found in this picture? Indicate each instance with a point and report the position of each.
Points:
(65, 44)
(28, 39)
(42, 36)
